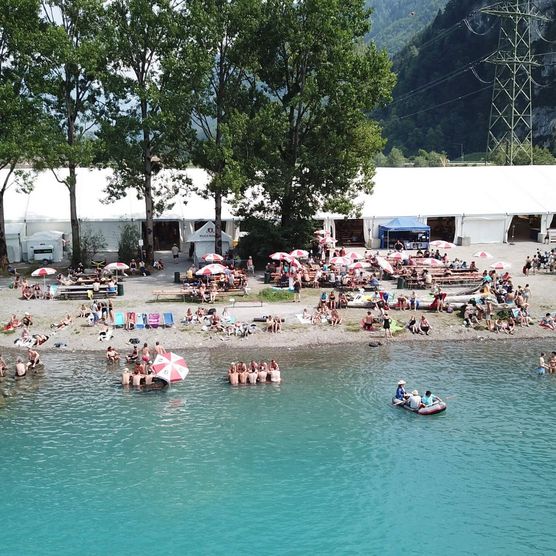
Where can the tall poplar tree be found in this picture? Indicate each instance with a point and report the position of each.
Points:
(147, 122)
(313, 144)
(219, 28)
(72, 49)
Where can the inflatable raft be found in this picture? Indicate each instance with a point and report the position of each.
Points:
(437, 407)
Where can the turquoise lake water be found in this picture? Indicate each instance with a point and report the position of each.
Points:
(320, 464)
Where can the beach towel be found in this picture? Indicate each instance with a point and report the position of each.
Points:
(302, 320)
(139, 321)
(119, 320)
(153, 320)
(168, 320)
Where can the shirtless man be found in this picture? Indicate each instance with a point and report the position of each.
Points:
(233, 375)
(112, 355)
(133, 356)
(253, 373)
(274, 371)
(126, 377)
(20, 368)
(263, 371)
(243, 373)
(33, 357)
(136, 377)
(159, 350)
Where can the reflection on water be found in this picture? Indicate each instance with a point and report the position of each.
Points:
(319, 464)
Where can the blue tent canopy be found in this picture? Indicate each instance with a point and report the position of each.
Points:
(408, 229)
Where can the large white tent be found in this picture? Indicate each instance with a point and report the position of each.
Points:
(483, 200)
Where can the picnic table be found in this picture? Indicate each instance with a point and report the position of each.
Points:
(84, 292)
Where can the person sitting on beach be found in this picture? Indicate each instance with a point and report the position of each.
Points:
(424, 325)
(274, 371)
(335, 317)
(39, 339)
(263, 371)
(548, 322)
(429, 399)
(66, 321)
(367, 321)
(20, 368)
(112, 355)
(27, 320)
(412, 325)
(158, 265)
(133, 357)
(104, 333)
(33, 358)
(233, 375)
(12, 324)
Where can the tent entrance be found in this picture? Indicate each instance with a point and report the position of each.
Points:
(524, 228)
(166, 233)
(443, 228)
(350, 232)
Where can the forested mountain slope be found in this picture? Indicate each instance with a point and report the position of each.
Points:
(395, 22)
(442, 99)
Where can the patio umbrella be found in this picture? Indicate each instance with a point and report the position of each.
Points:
(359, 265)
(440, 244)
(500, 265)
(279, 256)
(292, 261)
(211, 269)
(483, 255)
(327, 240)
(213, 258)
(340, 261)
(399, 256)
(353, 256)
(300, 253)
(431, 262)
(170, 367)
(384, 264)
(43, 272)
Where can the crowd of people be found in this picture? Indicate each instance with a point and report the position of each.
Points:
(254, 373)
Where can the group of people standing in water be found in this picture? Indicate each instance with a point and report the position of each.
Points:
(256, 372)
(21, 367)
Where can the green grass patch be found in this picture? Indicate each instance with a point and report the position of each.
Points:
(270, 295)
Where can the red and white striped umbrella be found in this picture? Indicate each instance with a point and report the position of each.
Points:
(384, 264)
(213, 258)
(300, 253)
(327, 240)
(359, 265)
(353, 256)
(483, 255)
(116, 266)
(340, 261)
(440, 244)
(292, 261)
(431, 262)
(500, 265)
(170, 367)
(279, 256)
(43, 272)
(211, 269)
(399, 256)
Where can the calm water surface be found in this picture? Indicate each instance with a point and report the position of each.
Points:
(317, 465)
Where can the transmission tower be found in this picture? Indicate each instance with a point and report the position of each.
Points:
(510, 128)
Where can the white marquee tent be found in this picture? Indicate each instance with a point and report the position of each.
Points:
(482, 199)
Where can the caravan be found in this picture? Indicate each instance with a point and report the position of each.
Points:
(47, 247)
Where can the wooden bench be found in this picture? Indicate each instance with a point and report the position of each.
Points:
(551, 233)
(82, 292)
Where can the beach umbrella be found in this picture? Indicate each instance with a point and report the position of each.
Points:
(399, 256)
(500, 265)
(292, 261)
(359, 265)
(300, 253)
(211, 269)
(43, 272)
(213, 258)
(384, 264)
(319, 232)
(327, 240)
(353, 256)
(279, 256)
(483, 255)
(440, 244)
(116, 266)
(431, 262)
(340, 261)
(170, 367)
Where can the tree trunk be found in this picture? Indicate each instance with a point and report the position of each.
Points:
(218, 222)
(149, 216)
(75, 237)
(3, 246)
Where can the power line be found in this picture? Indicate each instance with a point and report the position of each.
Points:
(461, 97)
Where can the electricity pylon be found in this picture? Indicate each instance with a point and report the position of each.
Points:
(510, 128)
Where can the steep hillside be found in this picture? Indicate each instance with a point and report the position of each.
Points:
(395, 22)
(442, 99)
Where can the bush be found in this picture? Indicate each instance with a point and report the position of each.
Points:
(129, 242)
(91, 243)
(269, 294)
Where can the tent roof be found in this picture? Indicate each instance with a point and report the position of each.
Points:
(206, 233)
(406, 224)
